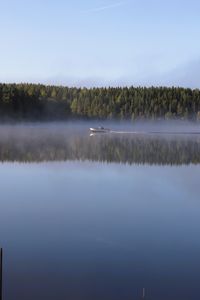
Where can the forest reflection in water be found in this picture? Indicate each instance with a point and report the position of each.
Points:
(41, 143)
(82, 229)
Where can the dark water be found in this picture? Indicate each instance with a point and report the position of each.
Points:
(99, 217)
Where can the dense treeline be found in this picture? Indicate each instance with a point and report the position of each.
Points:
(31, 101)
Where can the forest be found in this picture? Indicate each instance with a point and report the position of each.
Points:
(40, 102)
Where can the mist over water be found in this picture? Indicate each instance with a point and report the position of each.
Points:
(139, 143)
(103, 216)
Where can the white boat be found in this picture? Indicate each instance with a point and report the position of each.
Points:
(100, 129)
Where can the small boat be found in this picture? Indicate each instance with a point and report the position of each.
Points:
(100, 129)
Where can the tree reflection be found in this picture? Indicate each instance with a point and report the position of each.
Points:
(39, 145)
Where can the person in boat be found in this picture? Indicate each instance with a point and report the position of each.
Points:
(99, 129)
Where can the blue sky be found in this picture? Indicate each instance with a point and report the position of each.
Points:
(100, 42)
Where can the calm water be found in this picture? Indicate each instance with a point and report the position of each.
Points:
(99, 217)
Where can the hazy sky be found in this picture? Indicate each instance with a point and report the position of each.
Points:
(100, 42)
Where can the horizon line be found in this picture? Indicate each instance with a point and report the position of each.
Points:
(98, 87)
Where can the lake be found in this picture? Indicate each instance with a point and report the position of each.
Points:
(100, 217)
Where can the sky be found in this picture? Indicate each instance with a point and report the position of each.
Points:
(100, 42)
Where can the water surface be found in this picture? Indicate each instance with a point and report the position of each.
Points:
(99, 217)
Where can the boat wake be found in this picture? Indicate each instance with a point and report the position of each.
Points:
(147, 132)
(157, 132)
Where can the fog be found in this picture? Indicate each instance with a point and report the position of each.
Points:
(118, 125)
(127, 142)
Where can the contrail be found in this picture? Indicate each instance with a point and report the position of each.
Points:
(104, 7)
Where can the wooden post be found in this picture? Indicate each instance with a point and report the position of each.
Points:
(1, 274)
(143, 294)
